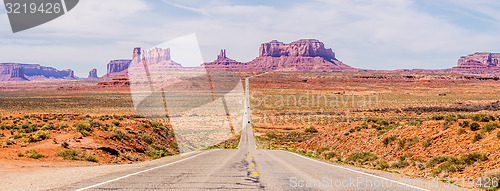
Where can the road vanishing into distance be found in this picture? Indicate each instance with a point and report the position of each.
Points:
(249, 168)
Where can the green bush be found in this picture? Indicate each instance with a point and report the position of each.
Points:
(471, 158)
(321, 150)
(39, 136)
(90, 157)
(118, 134)
(474, 126)
(10, 141)
(69, 154)
(490, 127)
(477, 137)
(83, 126)
(388, 140)
(461, 131)
(116, 123)
(452, 165)
(361, 157)
(146, 138)
(18, 136)
(498, 134)
(438, 160)
(437, 117)
(157, 151)
(34, 155)
(382, 165)
(330, 155)
(400, 164)
(311, 130)
(464, 124)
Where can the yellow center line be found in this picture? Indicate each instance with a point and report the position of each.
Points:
(252, 164)
(255, 174)
(251, 158)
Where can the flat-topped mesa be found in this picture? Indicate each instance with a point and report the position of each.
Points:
(479, 60)
(157, 55)
(300, 48)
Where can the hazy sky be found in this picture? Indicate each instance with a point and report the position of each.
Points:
(382, 34)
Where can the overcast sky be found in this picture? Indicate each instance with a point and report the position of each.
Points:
(382, 34)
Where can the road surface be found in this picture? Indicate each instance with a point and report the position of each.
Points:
(248, 168)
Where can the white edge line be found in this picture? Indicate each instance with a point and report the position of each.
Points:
(64, 6)
(364, 173)
(136, 173)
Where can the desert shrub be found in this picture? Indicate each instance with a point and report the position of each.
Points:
(83, 126)
(489, 127)
(400, 164)
(118, 134)
(388, 140)
(352, 130)
(69, 154)
(402, 143)
(10, 141)
(450, 118)
(49, 126)
(95, 124)
(374, 120)
(483, 117)
(18, 136)
(411, 142)
(361, 157)
(383, 123)
(471, 158)
(65, 144)
(382, 165)
(146, 138)
(321, 150)
(116, 123)
(90, 157)
(477, 137)
(498, 134)
(157, 151)
(438, 160)
(39, 136)
(330, 155)
(461, 131)
(33, 154)
(452, 165)
(437, 117)
(174, 145)
(20, 155)
(464, 124)
(132, 156)
(311, 130)
(30, 128)
(474, 126)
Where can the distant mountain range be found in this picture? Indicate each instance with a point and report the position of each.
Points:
(307, 55)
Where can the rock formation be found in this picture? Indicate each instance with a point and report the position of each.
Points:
(93, 74)
(302, 55)
(224, 64)
(117, 68)
(23, 72)
(479, 60)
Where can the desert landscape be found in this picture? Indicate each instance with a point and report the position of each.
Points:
(441, 124)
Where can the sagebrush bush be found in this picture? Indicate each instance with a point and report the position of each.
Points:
(157, 151)
(329, 155)
(400, 164)
(490, 127)
(34, 154)
(132, 156)
(477, 137)
(118, 134)
(146, 138)
(90, 157)
(464, 124)
(39, 136)
(311, 130)
(388, 140)
(69, 154)
(361, 157)
(382, 165)
(474, 126)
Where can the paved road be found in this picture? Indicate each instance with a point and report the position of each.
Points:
(248, 168)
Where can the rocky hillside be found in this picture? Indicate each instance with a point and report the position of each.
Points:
(25, 72)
